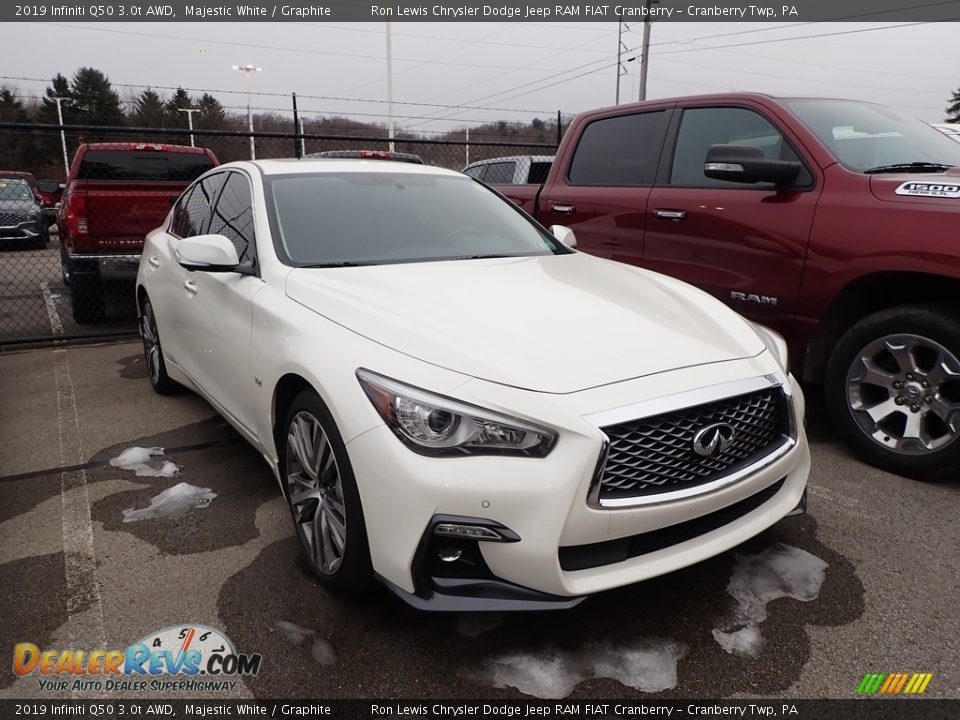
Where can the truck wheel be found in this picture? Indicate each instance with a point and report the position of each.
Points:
(893, 390)
(86, 297)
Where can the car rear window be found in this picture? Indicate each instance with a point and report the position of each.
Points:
(144, 166)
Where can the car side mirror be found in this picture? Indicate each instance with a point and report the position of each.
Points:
(208, 253)
(747, 164)
(564, 234)
(51, 187)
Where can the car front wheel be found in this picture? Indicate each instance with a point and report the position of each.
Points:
(893, 389)
(322, 494)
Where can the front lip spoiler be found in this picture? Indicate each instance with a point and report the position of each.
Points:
(486, 595)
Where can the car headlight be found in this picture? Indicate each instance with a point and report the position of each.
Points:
(435, 425)
(775, 344)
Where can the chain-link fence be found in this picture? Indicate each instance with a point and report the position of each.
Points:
(69, 256)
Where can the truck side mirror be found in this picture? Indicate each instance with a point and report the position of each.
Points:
(747, 164)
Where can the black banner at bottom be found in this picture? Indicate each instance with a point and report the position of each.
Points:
(865, 709)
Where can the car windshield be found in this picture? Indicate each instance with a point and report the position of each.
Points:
(867, 137)
(364, 218)
(16, 190)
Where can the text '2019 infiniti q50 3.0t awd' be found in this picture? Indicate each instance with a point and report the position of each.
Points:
(454, 400)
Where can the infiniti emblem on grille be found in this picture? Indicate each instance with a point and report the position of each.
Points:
(713, 439)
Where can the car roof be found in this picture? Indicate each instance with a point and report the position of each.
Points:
(514, 158)
(293, 166)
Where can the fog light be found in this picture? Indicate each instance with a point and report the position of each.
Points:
(471, 532)
(449, 555)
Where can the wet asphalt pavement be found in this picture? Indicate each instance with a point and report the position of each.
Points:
(77, 576)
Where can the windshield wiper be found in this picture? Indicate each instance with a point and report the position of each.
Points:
(345, 263)
(479, 257)
(908, 167)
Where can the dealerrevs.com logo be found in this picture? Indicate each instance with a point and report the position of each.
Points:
(180, 658)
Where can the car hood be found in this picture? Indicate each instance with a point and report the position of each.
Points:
(20, 206)
(557, 323)
(941, 189)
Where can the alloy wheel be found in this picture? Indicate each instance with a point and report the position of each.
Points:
(151, 343)
(315, 492)
(904, 392)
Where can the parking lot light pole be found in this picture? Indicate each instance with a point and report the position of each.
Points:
(390, 83)
(63, 135)
(189, 112)
(247, 70)
(645, 50)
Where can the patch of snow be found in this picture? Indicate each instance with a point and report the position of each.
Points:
(473, 624)
(778, 572)
(320, 648)
(648, 666)
(138, 460)
(176, 501)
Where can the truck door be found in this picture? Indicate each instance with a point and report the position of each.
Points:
(603, 192)
(743, 243)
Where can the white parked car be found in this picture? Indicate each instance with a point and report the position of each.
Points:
(456, 402)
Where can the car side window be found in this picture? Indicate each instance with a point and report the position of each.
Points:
(233, 216)
(702, 127)
(475, 172)
(619, 151)
(500, 173)
(192, 211)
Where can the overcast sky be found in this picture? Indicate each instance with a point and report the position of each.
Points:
(507, 66)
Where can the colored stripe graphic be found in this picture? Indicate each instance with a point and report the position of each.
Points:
(894, 683)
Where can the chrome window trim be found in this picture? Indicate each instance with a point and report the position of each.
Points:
(681, 401)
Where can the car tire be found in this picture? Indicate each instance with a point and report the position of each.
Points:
(87, 299)
(153, 352)
(322, 495)
(893, 390)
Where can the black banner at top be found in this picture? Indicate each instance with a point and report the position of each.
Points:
(888, 11)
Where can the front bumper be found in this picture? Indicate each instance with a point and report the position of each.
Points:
(21, 231)
(545, 503)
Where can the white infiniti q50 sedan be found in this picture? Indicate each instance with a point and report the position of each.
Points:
(454, 401)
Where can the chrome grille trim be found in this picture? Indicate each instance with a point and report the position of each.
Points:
(682, 401)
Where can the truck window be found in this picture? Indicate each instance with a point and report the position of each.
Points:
(702, 127)
(538, 173)
(192, 210)
(143, 166)
(620, 150)
(500, 173)
(233, 215)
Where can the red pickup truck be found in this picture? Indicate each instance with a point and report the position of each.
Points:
(116, 193)
(835, 222)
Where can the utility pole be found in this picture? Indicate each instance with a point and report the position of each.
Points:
(297, 127)
(63, 135)
(247, 70)
(189, 112)
(390, 84)
(468, 146)
(620, 49)
(645, 50)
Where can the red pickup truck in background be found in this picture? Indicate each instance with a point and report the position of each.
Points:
(116, 193)
(835, 222)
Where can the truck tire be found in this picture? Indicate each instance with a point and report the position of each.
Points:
(893, 390)
(86, 297)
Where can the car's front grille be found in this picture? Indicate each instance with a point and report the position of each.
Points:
(8, 218)
(656, 454)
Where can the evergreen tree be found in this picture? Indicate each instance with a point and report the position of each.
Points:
(953, 110)
(15, 145)
(149, 110)
(94, 101)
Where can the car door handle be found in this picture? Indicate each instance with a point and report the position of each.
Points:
(565, 209)
(671, 214)
(190, 286)
(154, 262)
